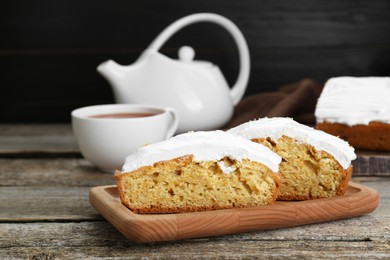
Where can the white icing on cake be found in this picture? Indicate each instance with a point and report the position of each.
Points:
(352, 101)
(225, 169)
(204, 146)
(277, 127)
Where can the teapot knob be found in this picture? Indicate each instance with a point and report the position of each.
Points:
(186, 54)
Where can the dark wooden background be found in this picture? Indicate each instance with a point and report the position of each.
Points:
(49, 49)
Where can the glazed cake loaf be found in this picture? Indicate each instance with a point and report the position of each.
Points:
(314, 163)
(357, 110)
(198, 171)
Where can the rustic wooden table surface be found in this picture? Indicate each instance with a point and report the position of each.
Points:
(45, 212)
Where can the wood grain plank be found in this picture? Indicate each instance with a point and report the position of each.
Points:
(207, 250)
(372, 163)
(102, 233)
(41, 203)
(52, 172)
(49, 144)
(99, 239)
(28, 130)
(382, 186)
(38, 139)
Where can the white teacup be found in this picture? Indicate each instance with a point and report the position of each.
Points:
(107, 134)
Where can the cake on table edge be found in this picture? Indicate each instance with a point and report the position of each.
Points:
(198, 171)
(357, 110)
(314, 164)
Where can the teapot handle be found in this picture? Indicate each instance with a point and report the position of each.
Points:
(239, 87)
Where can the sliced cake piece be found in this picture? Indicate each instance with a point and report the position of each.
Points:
(199, 171)
(314, 164)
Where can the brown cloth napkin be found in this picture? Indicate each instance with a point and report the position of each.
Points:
(297, 100)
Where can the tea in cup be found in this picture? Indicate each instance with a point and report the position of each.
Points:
(107, 134)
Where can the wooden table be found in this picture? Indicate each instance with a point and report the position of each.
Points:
(45, 212)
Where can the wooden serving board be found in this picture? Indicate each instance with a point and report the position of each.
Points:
(358, 200)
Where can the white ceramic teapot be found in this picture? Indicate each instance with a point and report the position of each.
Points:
(197, 90)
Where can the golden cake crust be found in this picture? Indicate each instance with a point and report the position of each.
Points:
(306, 173)
(340, 189)
(183, 185)
(374, 136)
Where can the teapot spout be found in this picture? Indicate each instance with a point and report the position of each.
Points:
(111, 70)
(117, 75)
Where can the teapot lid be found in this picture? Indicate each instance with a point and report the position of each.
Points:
(186, 55)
